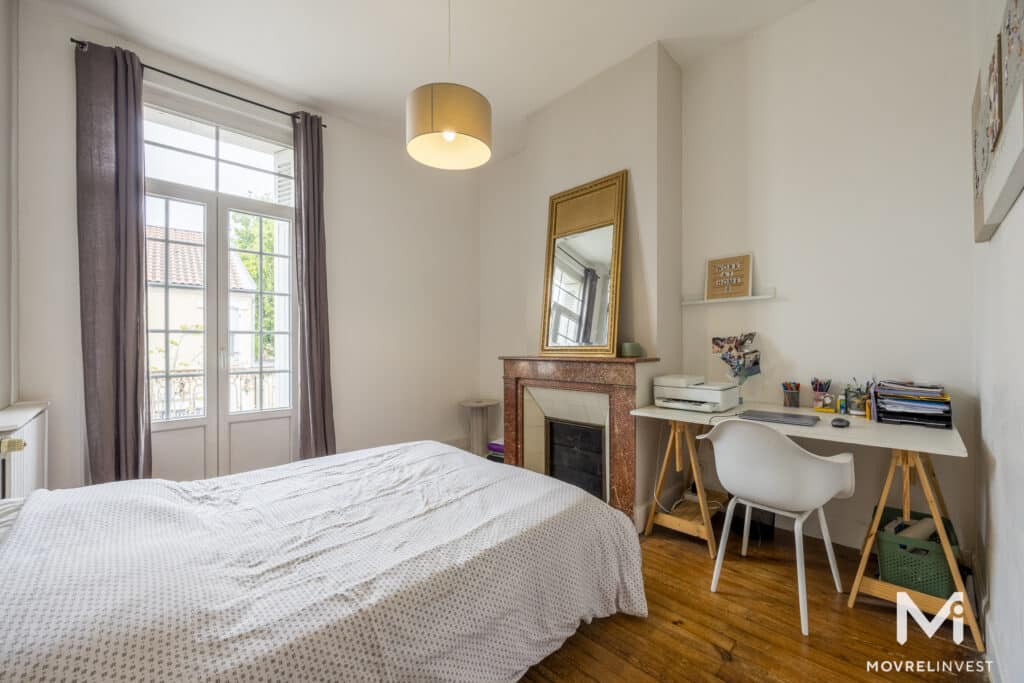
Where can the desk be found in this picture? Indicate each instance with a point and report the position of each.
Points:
(911, 447)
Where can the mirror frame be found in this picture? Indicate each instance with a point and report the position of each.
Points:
(591, 205)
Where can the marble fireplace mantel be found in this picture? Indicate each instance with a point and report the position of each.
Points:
(615, 377)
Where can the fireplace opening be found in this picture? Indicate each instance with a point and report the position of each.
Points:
(576, 455)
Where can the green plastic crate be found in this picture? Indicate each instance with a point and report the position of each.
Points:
(926, 572)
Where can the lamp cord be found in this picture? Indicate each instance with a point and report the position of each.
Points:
(449, 40)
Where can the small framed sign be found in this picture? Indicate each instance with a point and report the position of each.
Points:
(729, 277)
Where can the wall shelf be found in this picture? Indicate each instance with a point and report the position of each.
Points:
(768, 293)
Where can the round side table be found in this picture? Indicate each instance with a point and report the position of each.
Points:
(478, 423)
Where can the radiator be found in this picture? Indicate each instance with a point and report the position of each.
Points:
(23, 471)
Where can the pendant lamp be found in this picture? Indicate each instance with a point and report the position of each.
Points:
(448, 125)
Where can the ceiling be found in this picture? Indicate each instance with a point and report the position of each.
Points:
(360, 58)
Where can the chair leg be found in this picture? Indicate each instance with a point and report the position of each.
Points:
(801, 578)
(828, 549)
(723, 543)
(746, 530)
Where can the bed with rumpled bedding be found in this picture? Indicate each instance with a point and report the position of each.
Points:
(412, 562)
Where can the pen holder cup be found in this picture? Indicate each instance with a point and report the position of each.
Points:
(791, 398)
(856, 402)
(824, 402)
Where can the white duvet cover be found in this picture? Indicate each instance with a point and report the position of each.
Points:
(414, 562)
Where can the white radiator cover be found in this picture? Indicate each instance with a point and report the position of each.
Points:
(24, 471)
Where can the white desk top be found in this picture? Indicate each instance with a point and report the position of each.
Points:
(861, 432)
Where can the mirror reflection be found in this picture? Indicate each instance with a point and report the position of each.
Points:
(580, 286)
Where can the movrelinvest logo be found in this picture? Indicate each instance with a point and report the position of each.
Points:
(905, 605)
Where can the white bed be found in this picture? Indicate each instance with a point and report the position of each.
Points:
(413, 562)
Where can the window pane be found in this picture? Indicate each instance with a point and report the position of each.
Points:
(185, 351)
(567, 328)
(155, 308)
(243, 231)
(242, 392)
(275, 313)
(157, 398)
(242, 349)
(179, 131)
(245, 270)
(155, 261)
(275, 350)
(186, 309)
(255, 152)
(242, 313)
(568, 300)
(157, 353)
(276, 277)
(246, 182)
(156, 216)
(187, 265)
(277, 237)
(187, 397)
(180, 167)
(187, 221)
(276, 390)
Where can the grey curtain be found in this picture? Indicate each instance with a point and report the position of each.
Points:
(316, 406)
(112, 261)
(588, 303)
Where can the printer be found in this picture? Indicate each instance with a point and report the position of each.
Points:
(691, 392)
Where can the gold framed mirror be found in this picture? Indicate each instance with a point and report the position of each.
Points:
(580, 314)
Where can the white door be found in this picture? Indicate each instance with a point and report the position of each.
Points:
(219, 319)
(181, 275)
(257, 424)
(220, 282)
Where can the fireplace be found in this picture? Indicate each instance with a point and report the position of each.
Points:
(576, 455)
(587, 391)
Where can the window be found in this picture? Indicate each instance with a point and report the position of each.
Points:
(259, 312)
(566, 305)
(189, 152)
(218, 269)
(176, 302)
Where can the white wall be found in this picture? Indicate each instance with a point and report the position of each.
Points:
(669, 321)
(607, 124)
(403, 279)
(834, 145)
(999, 325)
(377, 204)
(624, 118)
(7, 58)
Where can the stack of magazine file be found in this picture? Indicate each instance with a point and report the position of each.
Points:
(905, 402)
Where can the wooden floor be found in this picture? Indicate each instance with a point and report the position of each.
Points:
(750, 629)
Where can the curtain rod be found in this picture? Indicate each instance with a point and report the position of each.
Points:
(82, 45)
(581, 264)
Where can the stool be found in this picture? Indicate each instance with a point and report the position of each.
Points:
(478, 423)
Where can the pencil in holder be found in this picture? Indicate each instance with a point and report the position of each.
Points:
(791, 398)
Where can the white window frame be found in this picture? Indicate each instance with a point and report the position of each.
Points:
(560, 311)
(217, 420)
(173, 191)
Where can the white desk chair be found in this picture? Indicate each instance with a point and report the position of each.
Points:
(764, 469)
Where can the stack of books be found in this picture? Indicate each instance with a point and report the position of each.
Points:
(496, 450)
(904, 402)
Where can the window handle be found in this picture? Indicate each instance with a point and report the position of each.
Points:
(222, 359)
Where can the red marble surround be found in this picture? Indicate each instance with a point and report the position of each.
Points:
(615, 377)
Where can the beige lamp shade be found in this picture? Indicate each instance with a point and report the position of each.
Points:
(448, 126)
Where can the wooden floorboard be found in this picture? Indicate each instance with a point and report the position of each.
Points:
(750, 629)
